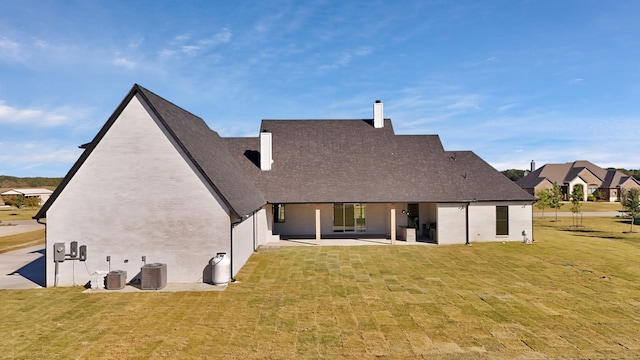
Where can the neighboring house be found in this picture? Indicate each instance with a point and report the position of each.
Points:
(42, 194)
(307, 178)
(606, 183)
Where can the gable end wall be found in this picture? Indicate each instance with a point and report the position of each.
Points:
(137, 195)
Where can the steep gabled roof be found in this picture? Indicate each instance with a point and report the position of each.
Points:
(351, 161)
(202, 146)
(209, 154)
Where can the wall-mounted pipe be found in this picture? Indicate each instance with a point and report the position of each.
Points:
(233, 225)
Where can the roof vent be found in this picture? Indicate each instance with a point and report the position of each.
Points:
(378, 115)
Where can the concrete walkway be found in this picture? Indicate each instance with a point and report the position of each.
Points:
(22, 269)
(342, 242)
(12, 227)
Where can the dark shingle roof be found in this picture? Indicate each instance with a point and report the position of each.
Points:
(320, 161)
(351, 161)
(203, 146)
(209, 154)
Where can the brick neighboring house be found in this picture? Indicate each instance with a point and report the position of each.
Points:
(594, 179)
(310, 178)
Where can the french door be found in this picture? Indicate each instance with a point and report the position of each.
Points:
(349, 217)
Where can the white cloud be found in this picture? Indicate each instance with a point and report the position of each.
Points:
(222, 37)
(345, 58)
(190, 49)
(9, 49)
(188, 45)
(35, 117)
(37, 159)
(122, 62)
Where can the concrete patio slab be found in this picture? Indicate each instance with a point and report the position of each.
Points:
(171, 287)
(12, 227)
(23, 268)
(343, 242)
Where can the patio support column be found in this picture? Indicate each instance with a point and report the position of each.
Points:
(317, 226)
(393, 225)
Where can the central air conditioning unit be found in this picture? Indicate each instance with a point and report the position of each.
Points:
(116, 280)
(153, 276)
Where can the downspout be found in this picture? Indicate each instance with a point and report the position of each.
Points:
(467, 222)
(233, 225)
(55, 278)
(468, 242)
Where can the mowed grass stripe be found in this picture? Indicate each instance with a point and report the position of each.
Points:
(571, 294)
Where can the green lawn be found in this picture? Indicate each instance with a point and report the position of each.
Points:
(571, 294)
(6, 215)
(587, 206)
(18, 241)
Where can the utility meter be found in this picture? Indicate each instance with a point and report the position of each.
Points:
(58, 252)
(73, 249)
(83, 253)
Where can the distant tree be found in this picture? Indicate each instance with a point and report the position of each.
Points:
(577, 194)
(544, 201)
(16, 182)
(634, 173)
(630, 200)
(13, 200)
(556, 198)
(32, 202)
(513, 174)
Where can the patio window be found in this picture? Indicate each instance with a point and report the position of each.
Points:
(278, 213)
(502, 220)
(349, 217)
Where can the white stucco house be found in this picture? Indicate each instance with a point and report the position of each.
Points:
(298, 178)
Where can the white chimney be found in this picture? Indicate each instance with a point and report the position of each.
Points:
(378, 115)
(533, 166)
(266, 151)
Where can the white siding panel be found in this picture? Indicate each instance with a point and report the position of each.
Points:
(378, 219)
(244, 237)
(300, 219)
(128, 201)
(451, 225)
(482, 221)
(264, 219)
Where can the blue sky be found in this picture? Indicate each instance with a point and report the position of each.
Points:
(513, 81)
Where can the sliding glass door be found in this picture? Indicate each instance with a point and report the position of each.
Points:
(349, 217)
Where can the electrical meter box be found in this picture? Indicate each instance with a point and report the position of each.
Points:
(83, 253)
(73, 249)
(58, 252)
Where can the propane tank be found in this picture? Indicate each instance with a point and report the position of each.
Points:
(221, 269)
